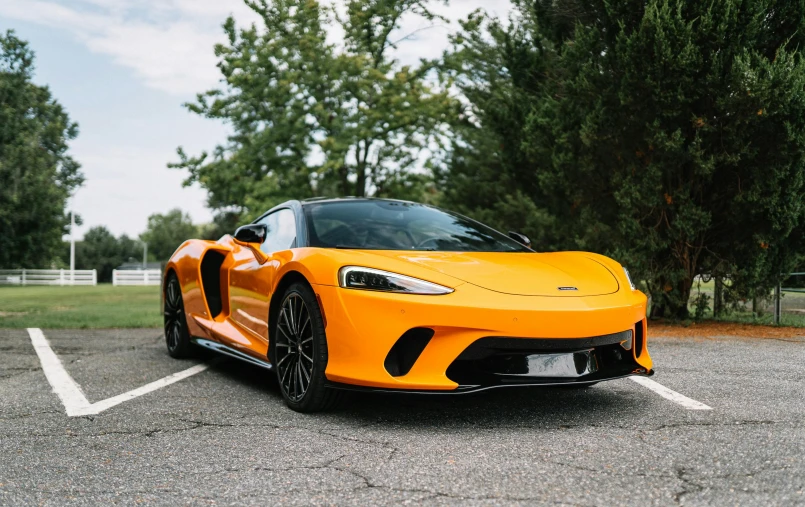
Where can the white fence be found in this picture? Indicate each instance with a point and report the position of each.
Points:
(136, 277)
(48, 277)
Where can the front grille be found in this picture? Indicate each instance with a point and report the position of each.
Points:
(503, 360)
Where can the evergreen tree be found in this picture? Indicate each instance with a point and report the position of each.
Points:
(668, 134)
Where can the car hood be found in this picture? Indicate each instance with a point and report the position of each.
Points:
(527, 274)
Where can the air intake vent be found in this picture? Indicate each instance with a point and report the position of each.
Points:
(211, 280)
(639, 337)
(406, 351)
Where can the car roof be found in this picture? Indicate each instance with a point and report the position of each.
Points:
(317, 200)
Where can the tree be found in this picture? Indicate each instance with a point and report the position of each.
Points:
(500, 69)
(101, 250)
(222, 223)
(668, 134)
(165, 233)
(36, 173)
(313, 118)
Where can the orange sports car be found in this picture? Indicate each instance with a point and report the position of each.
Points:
(354, 293)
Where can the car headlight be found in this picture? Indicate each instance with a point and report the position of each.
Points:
(356, 277)
(631, 283)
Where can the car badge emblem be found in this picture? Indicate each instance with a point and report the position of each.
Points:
(567, 288)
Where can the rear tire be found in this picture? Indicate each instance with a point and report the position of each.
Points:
(300, 352)
(177, 336)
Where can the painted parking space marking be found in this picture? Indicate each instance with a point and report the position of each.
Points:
(76, 403)
(671, 395)
(70, 393)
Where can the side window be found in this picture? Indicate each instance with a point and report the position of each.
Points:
(281, 233)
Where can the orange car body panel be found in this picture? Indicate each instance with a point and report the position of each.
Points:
(495, 295)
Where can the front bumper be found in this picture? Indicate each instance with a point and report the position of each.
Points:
(480, 339)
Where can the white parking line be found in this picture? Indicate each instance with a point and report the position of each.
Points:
(668, 394)
(69, 392)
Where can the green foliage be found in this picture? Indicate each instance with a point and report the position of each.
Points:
(165, 233)
(701, 305)
(224, 222)
(101, 250)
(488, 174)
(313, 118)
(36, 173)
(668, 134)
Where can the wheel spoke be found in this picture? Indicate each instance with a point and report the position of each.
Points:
(172, 294)
(291, 311)
(304, 371)
(299, 380)
(304, 326)
(287, 324)
(296, 380)
(287, 336)
(283, 360)
(299, 319)
(282, 377)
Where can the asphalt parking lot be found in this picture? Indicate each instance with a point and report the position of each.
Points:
(223, 435)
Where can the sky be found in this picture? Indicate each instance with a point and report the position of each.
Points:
(123, 69)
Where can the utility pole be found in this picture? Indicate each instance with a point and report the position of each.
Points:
(145, 254)
(72, 248)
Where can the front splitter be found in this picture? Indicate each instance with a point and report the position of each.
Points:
(467, 389)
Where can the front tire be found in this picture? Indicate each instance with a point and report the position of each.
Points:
(300, 352)
(177, 336)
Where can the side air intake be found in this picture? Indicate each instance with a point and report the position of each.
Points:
(406, 351)
(211, 280)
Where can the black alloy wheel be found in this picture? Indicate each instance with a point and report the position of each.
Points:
(300, 352)
(177, 337)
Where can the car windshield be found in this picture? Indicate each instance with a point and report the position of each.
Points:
(395, 225)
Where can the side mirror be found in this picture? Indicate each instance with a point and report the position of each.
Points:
(520, 238)
(252, 233)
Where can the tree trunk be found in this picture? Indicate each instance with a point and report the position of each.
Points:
(343, 172)
(718, 297)
(657, 310)
(360, 184)
(684, 288)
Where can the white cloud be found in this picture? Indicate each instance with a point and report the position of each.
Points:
(168, 43)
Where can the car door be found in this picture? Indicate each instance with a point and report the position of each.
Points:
(250, 282)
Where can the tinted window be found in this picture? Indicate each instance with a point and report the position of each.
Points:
(281, 233)
(390, 225)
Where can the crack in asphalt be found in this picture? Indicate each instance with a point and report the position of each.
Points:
(196, 424)
(369, 484)
(688, 485)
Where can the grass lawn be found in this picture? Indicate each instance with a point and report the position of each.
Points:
(101, 306)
